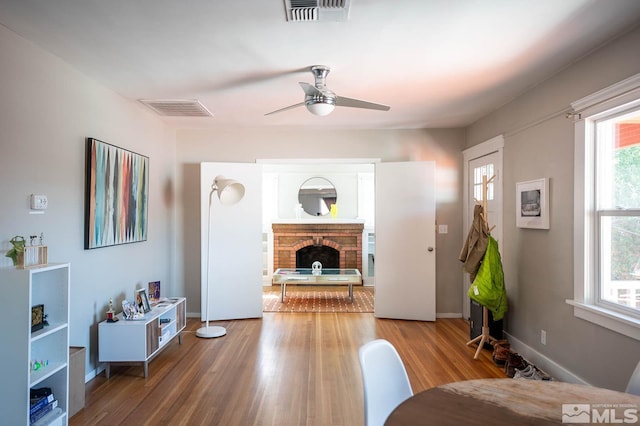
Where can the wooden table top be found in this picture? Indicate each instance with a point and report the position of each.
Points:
(514, 402)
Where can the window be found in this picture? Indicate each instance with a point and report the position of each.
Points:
(607, 208)
(478, 173)
(617, 193)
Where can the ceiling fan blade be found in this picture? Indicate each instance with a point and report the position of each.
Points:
(309, 89)
(356, 103)
(285, 108)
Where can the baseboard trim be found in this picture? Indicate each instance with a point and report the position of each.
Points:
(448, 315)
(93, 373)
(543, 362)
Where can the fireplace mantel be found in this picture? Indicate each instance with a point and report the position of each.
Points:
(313, 221)
(289, 237)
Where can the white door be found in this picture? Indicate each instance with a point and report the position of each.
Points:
(231, 256)
(405, 258)
(483, 159)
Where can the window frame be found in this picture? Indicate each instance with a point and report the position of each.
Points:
(586, 301)
(599, 300)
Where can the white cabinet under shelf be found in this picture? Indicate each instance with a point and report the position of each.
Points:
(140, 340)
(22, 289)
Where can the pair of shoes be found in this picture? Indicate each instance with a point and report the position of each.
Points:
(501, 349)
(531, 372)
(514, 361)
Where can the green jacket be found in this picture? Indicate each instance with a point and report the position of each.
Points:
(488, 286)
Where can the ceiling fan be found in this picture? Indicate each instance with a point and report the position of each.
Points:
(321, 101)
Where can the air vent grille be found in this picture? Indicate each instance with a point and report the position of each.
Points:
(177, 107)
(317, 10)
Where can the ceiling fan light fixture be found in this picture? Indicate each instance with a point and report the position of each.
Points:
(321, 101)
(320, 108)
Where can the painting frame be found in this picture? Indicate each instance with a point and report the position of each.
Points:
(532, 204)
(142, 301)
(116, 195)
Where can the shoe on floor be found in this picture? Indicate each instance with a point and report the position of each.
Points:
(531, 372)
(501, 348)
(514, 361)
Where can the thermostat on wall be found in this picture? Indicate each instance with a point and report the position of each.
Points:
(39, 202)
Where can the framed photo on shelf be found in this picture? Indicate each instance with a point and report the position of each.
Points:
(154, 291)
(37, 317)
(532, 204)
(142, 301)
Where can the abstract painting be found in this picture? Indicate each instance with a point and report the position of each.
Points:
(116, 195)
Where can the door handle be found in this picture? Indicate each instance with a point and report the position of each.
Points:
(429, 248)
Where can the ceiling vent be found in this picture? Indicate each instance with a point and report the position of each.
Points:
(177, 107)
(317, 10)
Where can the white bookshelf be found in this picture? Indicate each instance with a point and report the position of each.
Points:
(22, 289)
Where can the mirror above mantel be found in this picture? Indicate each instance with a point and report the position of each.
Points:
(317, 195)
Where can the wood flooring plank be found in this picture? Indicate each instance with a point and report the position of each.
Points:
(283, 369)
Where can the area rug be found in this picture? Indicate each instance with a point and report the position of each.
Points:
(318, 299)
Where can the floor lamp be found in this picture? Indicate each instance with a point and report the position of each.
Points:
(229, 192)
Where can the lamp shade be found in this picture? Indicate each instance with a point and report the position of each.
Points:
(230, 191)
(320, 108)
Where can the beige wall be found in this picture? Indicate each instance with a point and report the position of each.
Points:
(538, 264)
(247, 145)
(47, 109)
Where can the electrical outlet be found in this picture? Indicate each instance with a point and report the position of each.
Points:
(543, 337)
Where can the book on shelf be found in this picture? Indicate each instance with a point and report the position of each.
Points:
(37, 403)
(48, 417)
(42, 411)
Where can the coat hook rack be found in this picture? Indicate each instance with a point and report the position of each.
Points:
(485, 336)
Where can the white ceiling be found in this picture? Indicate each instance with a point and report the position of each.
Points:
(437, 63)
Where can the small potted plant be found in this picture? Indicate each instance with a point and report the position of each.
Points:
(18, 247)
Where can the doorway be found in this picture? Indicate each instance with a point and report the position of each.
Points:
(354, 183)
(484, 159)
(410, 229)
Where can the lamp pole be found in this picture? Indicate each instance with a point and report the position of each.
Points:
(229, 192)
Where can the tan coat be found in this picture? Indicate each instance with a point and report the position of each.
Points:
(475, 245)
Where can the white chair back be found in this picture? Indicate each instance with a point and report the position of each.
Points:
(633, 386)
(385, 381)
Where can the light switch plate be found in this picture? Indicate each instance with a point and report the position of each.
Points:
(443, 229)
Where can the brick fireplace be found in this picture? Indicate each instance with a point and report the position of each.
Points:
(346, 238)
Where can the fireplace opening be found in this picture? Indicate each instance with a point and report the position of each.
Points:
(328, 256)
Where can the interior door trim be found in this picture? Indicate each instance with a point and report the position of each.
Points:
(493, 145)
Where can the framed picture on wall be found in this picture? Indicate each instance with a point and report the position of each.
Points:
(532, 204)
(116, 195)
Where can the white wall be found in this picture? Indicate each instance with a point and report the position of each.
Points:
(47, 109)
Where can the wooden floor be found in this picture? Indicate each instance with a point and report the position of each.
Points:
(283, 369)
